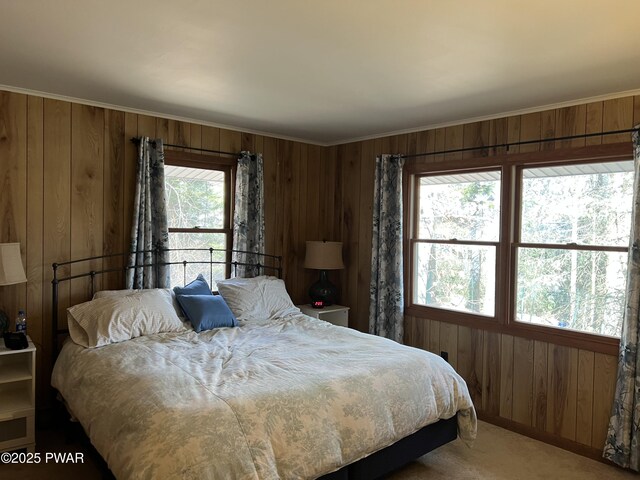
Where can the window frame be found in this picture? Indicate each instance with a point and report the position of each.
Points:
(510, 166)
(181, 158)
(414, 240)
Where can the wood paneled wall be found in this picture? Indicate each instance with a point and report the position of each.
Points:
(66, 185)
(67, 174)
(556, 393)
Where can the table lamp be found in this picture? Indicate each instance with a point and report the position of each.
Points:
(11, 272)
(323, 256)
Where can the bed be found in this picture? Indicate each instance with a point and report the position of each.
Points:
(282, 397)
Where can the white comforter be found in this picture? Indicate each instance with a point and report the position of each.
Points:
(291, 398)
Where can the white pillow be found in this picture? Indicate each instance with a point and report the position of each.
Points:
(259, 298)
(113, 319)
(122, 293)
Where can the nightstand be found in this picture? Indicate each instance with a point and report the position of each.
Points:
(17, 398)
(336, 314)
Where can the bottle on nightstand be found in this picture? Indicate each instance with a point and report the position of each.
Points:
(21, 322)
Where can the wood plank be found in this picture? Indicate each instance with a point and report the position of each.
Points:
(425, 143)
(584, 413)
(491, 373)
(288, 213)
(470, 361)
(34, 267)
(548, 128)
(195, 132)
(540, 384)
(563, 385)
(57, 212)
(270, 159)
(162, 129)
(211, 138)
(594, 122)
(506, 376)
(605, 368)
(453, 140)
(412, 332)
(571, 121)
(248, 142)
(300, 294)
(636, 110)
(311, 213)
(113, 190)
(129, 174)
(476, 134)
(617, 114)
(412, 143)
(258, 143)
(530, 129)
(439, 145)
(336, 182)
(449, 342)
(179, 133)
(349, 158)
(498, 135)
(230, 140)
(513, 132)
(34, 218)
(421, 333)
(365, 231)
(523, 378)
(147, 126)
(409, 334)
(434, 337)
(13, 190)
(87, 183)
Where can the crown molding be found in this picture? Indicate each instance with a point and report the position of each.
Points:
(523, 111)
(432, 126)
(110, 106)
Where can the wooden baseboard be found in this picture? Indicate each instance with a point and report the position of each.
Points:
(565, 444)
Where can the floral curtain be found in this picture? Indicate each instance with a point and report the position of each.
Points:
(386, 309)
(149, 230)
(623, 439)
(248, 219)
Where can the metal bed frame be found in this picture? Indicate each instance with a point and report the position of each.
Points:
(376, 465)
(261, 267)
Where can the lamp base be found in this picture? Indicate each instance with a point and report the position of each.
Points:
(323, 291)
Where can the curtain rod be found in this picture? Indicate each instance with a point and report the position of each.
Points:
(526, 142)
(219, 152)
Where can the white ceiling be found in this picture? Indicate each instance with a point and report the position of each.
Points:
(325, 71)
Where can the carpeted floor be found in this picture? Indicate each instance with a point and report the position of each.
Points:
(497, 454)
(500, 454)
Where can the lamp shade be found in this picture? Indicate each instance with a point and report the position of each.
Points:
(11, 269)
(323, 255)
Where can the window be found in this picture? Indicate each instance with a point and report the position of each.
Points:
(458, 231)
(199, 216)
(574, 234)
(530, 243)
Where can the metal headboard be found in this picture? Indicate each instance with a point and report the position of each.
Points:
(260, 266)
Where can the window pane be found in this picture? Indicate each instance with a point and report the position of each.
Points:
(457, 277)
(195, 197)
(196, 240)
(576, 289)
(461, 206)
(588, 204)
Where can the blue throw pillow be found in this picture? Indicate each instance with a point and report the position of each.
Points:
(207, 311)
(198, 287)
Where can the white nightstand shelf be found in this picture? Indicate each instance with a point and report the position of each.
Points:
(336, 314)
(17, 398)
